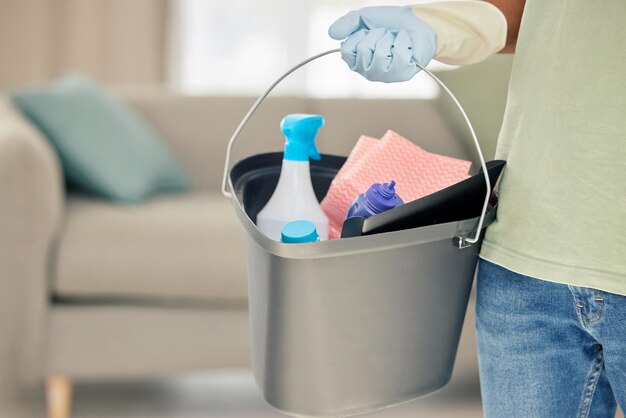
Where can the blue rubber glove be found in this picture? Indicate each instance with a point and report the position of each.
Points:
(383, 43)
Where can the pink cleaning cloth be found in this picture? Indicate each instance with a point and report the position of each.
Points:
(417, 172)
(363, 146)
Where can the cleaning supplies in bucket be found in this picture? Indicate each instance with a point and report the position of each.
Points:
(378, 199)
(331, 335)
(418, 172)
(294, 198)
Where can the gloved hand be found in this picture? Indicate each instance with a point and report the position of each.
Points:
(383, 43)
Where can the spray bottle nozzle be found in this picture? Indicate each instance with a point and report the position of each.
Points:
(300, 131)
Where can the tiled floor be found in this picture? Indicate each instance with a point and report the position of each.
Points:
(234, 395)
(229, 395)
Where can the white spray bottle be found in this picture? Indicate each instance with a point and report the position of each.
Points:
(294, 198)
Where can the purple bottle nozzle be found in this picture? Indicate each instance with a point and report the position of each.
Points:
(382, 197)
(377, 199)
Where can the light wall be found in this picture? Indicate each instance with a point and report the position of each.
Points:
(116, 41)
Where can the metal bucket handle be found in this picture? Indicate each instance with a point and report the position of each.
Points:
(463, 241)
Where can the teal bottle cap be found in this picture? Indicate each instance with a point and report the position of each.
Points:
(298, 232)
(300, 131)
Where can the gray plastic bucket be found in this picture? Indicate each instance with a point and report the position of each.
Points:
(349, 326)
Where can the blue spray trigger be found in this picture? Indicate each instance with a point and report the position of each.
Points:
(300, 131)
(314, 153)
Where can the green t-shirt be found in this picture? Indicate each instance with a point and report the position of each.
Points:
(562, 211)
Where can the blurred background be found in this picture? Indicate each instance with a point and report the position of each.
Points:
(193, 46)
(140, 310)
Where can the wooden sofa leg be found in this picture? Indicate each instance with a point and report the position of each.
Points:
(59, 397)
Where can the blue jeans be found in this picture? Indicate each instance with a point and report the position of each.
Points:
(548, 350)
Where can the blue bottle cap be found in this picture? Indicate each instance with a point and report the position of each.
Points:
(298, 232)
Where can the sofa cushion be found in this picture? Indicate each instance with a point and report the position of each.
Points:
(177, 248)
(106, 149)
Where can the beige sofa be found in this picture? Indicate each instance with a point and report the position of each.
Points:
(90, 290)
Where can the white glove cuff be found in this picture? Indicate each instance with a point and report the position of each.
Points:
(468, 31)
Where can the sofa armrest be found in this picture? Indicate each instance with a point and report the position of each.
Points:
(31, 201)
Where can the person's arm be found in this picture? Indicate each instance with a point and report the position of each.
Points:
(384, 43)
(512, 11)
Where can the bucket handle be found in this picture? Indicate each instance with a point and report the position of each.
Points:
(463, 241)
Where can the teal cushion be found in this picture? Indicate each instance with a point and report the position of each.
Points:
(106, 149)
